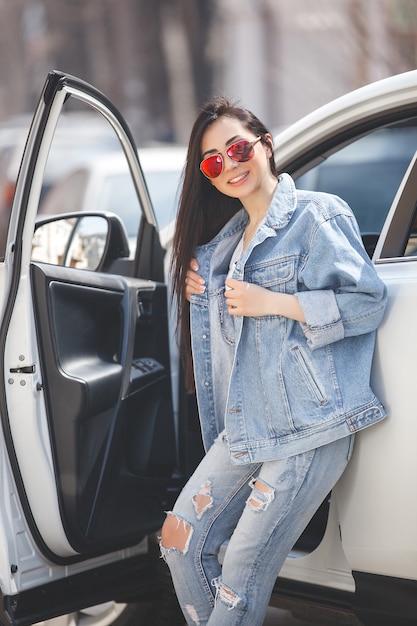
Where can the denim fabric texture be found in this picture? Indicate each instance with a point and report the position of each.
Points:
(260, 510)
(280, 387)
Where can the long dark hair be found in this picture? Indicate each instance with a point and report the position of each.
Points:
(203, 211)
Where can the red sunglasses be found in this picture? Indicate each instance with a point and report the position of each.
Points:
(241, 151)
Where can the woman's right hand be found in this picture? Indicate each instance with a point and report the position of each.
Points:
(194, 283)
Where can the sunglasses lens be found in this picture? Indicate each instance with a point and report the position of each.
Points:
(212, 166)
(241, 151)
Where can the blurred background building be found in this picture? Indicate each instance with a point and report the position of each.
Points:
(158, 60)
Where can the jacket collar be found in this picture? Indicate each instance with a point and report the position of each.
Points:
(284, 203)
(282, 207)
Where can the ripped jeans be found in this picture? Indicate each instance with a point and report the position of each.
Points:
(261, 509)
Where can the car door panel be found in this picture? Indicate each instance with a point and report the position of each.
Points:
(107, 391)
(396, 263)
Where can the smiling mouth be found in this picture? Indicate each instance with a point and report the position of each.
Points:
(237, 179)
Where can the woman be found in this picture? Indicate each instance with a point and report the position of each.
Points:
(284, 307)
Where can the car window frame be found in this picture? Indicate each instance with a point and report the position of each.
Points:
(396, 230)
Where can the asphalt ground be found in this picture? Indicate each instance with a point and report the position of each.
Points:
(278, 617)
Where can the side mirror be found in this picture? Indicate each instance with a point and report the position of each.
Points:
(90, 241)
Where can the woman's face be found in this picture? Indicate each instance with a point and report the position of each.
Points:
(238, 180)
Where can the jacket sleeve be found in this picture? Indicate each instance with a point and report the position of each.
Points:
(340, 292)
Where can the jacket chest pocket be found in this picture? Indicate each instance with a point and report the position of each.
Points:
(275, 274)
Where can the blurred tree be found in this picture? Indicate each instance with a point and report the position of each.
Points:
(123, 48)
(158, 60)
(14, 96)
(403, 26)
(361, 37)
(198, 18)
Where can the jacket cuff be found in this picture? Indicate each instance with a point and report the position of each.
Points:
(323, 323)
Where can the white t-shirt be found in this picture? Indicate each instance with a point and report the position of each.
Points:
(235, 256)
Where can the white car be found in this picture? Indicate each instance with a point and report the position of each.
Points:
(104, 184)
(98, 437)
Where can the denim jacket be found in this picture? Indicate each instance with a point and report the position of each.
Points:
(281, 387)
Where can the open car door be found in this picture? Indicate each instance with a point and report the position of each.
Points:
(88, 452)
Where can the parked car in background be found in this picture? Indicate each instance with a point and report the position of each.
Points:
(98, 435)
(105, 184)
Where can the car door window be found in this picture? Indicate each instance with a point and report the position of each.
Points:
(72, 180)
(367, 174)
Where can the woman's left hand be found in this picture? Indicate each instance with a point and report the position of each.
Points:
(248, 299)
(244, 298)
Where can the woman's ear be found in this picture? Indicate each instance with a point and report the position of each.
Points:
(269, 145)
